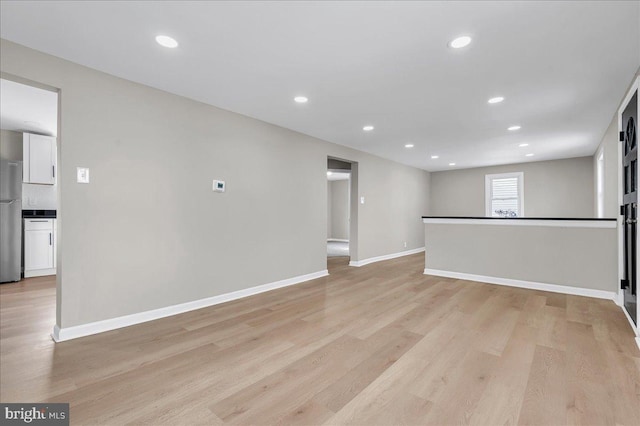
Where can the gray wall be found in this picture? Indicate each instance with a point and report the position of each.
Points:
(11, 145)
(609, 146)
(34, 197)
(576, 257)
(339, 209)
(148, 231)
(558, 188)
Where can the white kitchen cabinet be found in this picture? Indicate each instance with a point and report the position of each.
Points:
(39, 159)
(39, 247)
(55, 244)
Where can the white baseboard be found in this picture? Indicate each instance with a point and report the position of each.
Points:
(337, 240)
(39, 272)
(363, 262)
(619, 299)
(68, 333)
(554, 288)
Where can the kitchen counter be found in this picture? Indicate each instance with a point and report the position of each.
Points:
(565, 222)
(39, 214)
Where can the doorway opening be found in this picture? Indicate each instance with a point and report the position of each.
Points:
(341, 214)
(29, 192)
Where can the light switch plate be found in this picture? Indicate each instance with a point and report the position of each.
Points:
(361, 200)
(219, 185)
(82, 175)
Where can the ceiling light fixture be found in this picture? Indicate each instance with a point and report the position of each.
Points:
(514, 128)
(522, 145)
(460, 42)
(452, 164)
(409, 145)
(301, 99)
(367, 128)
(529, 155)
(435, 157)
(166, 41)
(496, 100)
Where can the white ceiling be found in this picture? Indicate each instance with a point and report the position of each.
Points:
(563, 67)
(28, 109)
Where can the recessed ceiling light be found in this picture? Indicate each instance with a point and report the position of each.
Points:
(301, 99)
(513, 128)
(460, 42)
(529, 155)
(367, 128)
(409, 145)
(435, 157)
(452, 164)
(496, 100)
(522, 145)
(166, 41)
(329, 173)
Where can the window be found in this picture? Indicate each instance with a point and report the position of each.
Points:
(504, 197)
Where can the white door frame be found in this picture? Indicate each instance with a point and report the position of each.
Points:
(58, 221)
(353, 206)
(620, 300)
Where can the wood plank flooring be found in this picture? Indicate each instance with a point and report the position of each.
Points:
(377, 345)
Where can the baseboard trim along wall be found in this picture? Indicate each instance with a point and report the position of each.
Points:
(39, 273)
(337, 240)
(68, 333)
(363, 262)
(554, 288)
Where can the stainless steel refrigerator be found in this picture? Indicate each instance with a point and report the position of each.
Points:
(10, 220)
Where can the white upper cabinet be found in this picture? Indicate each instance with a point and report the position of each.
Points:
(39, 159)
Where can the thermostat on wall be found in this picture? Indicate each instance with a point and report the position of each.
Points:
(218, 185)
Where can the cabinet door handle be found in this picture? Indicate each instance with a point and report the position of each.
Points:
(33, 221)
(50, 241)
(53, 170)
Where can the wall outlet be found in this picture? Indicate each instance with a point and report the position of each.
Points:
(361, 200)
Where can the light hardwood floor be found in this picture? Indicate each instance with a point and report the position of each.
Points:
(382, 344)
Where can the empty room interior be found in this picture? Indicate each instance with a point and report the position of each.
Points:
(319, 212)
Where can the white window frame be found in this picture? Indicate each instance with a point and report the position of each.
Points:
(487, 191)
(600, 182)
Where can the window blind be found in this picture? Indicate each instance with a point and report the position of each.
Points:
(504, 195)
